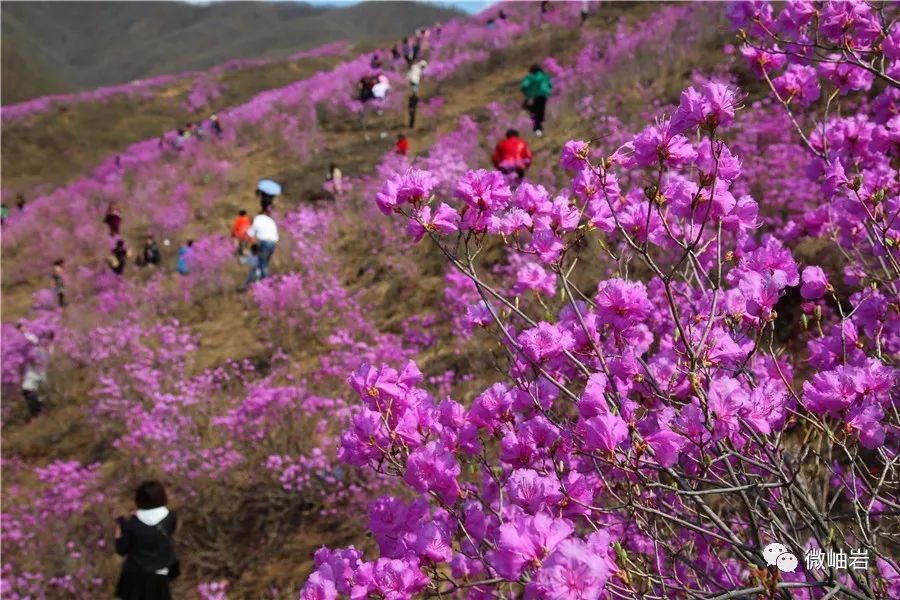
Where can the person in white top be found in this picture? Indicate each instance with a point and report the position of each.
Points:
(34, 372)
(335, 176)
(265, 231)
(414, 76)
(380, 89)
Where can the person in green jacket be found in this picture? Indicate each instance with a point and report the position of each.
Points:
(536, 86)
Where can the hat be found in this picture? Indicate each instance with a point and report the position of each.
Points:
(269, 187)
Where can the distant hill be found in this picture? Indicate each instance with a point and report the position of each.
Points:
(53, 47)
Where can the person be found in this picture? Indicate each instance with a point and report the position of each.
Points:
(216, 125)
(414, 76)
(584, 11)
(366, 84)
(145, 540)
(265, 231)
(335, 176)
(545, 6)
(402, 145)
(239, 231)
(406, 49)
(414, 51)
(4, 213)
(381, 87)
(252, 261)
(184, 252)
(395, 52)
(34, 373)
(411, 106)
(375, 63)
(20, 202)
(536, 86)
(512, 154)
(267, 190)
(59, 282)
(113, 219)
(150, 254)
(118, 256)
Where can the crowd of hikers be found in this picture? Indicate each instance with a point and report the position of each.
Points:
(145, 537)
(255, 239)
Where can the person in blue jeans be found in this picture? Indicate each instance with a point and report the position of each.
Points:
(265, 231)
(252, 261)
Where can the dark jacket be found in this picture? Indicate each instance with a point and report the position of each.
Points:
(147, 549)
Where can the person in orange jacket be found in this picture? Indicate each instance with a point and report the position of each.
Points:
(239, 231)
(402, 145)
(512, 154)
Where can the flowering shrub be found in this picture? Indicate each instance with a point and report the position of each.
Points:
(621, 379)
(652, 437)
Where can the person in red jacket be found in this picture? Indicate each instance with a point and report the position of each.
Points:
(402, 145)
(512, 155)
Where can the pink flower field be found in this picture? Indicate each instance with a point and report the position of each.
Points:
(670, 346)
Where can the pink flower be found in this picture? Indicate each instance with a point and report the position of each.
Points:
(445, 221)
(604, 432)
(656, 144)
(761, 62)
(531, 491)
(574, 571)
(484, 190)
(574, 155)
(534, 277)
(815, 283)
(592, 401)
(525, 541)
(431, 468)
(830, 391)
(319, 586)
(845, 76)
(387, 197)
(415, 186)
(729, 166)
(666, 445)
(725, 399)
(545, 341)
(799, 83)
(622, 304)
(365, 441)
(547, 245)
(851, 21)
(865, 420)
(711, 107)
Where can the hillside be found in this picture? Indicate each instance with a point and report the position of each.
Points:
(52, 47)
(454, 384)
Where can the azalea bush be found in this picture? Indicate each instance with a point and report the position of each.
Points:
(660, 422)
(670, 346)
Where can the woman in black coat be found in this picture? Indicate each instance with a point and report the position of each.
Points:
(145, 540)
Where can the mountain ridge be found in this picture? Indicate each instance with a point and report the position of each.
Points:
(66, 47)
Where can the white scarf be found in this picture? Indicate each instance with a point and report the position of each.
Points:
(152, 516)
